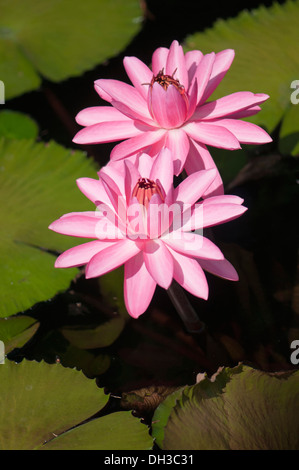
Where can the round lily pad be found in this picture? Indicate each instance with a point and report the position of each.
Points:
(60, 39)
(37, 185)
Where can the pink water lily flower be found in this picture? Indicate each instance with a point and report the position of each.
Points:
(166, 107)
(145, 223)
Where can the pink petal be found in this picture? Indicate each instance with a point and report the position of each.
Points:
(96, 114)
(139, 74)
(221, 268)
(167, 107)
(199, 158)
(228, 105)
(192, 59)
(245, 132)
(125, 98)
(223, 199)
(192, 244)
(162, 170)
(245, 112)
(93, 190)
(111, 258)
(202, 74)
(175, 65)
(223, 61)
(139, 286)
(178, 143)
(159, 216)
(159, 59)
(136, 144)
(212, 214)
(109, 132)
(130, 179)
(78, 225)
(81, 254)
(211, 134)
(159, 262)
(188, 273)
(191, 189)
(145, 163)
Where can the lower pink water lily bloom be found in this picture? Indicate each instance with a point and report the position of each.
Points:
(166, 107)
(152, 228)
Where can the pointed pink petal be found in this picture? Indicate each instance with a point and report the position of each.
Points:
(202, 74)
(223, 61)
(136, 144)
(188, 273)
(192, 244)
(109, 132)
(223, 199)
(203, 216)
(192, 187)
(97, 114)
(130, 179)
(178, 143)
(245, 112)
(192, 59)
(158, 262)
(175, 65)
(145, 163)
(159, 59)
(139, 286)
(211, 134)
(221, 268)
(81, 254)
(199, 158)
(162, 170)
(245, 132)
(228, 105)
(78, 225)
(93, 190)
(139, 74)
(111, 258)
(125, 98)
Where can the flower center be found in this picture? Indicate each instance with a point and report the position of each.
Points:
(145, 189)
(166, 80)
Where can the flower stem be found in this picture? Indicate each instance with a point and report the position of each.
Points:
(185, 310)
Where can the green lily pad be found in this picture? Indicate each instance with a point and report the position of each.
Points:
(16, 331)
(45, 407)
(60, 39)
(38, 185)
(239, 409)
(112, 289)
(100, 336)
(265, 62)
(16, 125)
(40, 401)
(116, 431)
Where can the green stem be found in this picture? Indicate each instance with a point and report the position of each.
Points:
(185, 310)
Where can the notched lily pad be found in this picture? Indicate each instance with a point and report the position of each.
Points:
(238, 409)
(16, 331)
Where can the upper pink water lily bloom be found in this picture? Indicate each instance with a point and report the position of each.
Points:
(166, 107)
(145, 223)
